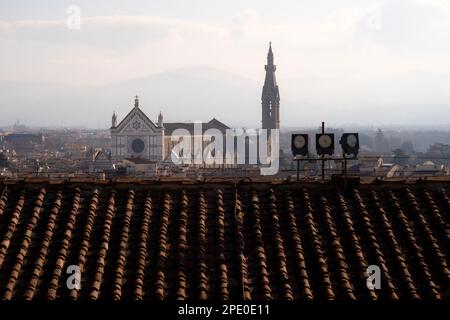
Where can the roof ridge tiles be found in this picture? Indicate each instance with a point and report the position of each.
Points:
(356, 244)
(299, 251)
(104, 247)
(182, 246)
(337, 250)
(160, 276)
(23, 251)
(396, 246)
(201, 242)
(435, 249)
(221, 260)
(437, 217)
(361, 207)
(278, 240)
(85, 244)
(64, 246)
(14, 220)
(243, 266)
(124, 235)
(412, 243)
(260, 251)
(44, 247)
(317, 247)
(213, 240)
(142, 247)
(3, 200)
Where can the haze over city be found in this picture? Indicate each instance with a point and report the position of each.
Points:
(352, 62)
(209, 158)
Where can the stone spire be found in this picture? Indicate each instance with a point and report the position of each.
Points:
(160, 119)
(114, 120)
(270, 99)
(270, 55)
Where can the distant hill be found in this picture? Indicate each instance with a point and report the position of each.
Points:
(201, 93)
(409, 98)
(183, 94)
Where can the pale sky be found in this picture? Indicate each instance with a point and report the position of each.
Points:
(126, 39)
(353, 55)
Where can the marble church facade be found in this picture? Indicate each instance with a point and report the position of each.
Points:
(136, 136)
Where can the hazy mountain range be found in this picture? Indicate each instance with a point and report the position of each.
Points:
(201, 93)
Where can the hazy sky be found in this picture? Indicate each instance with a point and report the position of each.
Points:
(347, 61)
(126, 39)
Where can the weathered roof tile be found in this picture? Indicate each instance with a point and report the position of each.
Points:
(221, 241)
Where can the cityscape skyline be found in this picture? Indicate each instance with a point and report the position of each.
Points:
(382, 62)
(224, 155)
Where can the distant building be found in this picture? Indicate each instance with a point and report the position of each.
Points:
(138, 137)
(170, 130)
(439, 153)
(100, 161)
(23, 143)
(20, 128)
(381, 142)
(429, 168)
(270, 99)
(439, 149)
(138, 166)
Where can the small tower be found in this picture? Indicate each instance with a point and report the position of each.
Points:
(270, 99)
(136, 101)
(160, 120)
(114, 120)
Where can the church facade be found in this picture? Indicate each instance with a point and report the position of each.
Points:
(136, 136)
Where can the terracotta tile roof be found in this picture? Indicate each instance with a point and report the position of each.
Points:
(172, 240)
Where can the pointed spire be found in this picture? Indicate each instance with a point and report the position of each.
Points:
(160, 119)
(136, 101)
(270, 55)
(270, 95)
(114, 120)
(270, 67)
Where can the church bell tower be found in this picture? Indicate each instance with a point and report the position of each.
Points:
(270, 99)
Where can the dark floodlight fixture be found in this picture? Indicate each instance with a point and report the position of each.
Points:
(324, 143)
(299, 144)
(350, 143)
